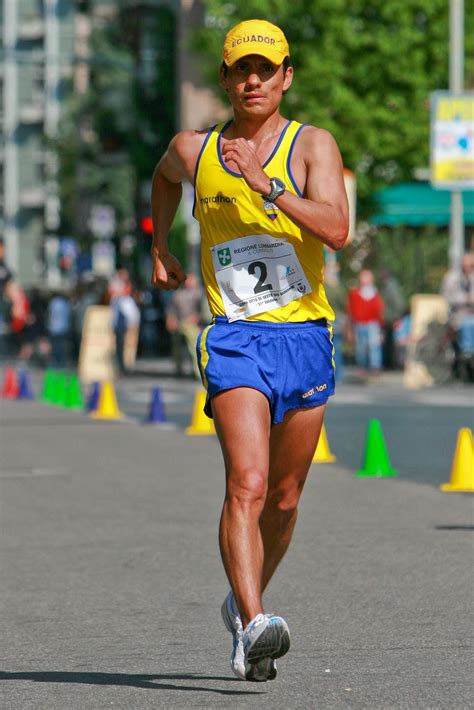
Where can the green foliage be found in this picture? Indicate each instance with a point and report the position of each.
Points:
(364, 70)
(111, 137)
(417, 257)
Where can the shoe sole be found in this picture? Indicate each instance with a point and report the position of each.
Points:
(273, 642)
(256, 675)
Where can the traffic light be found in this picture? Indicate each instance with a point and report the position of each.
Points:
(146, 224)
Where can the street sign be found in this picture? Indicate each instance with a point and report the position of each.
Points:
(102, 221)
(452, 140)
(103, 258)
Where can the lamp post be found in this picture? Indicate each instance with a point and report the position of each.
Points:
(456, 85)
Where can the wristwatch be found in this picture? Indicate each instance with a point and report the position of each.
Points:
(278, 188)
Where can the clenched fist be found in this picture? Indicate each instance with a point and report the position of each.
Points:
(167, 272)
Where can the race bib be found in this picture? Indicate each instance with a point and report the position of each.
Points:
(257, 274)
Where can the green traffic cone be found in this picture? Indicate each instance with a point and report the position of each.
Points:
(47, 392)
(59, 394)
(376, 461)
(74, 398)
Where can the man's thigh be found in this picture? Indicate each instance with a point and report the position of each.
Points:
(292, 446)
(242, 421)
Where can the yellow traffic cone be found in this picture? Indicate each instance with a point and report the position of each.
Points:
(462, 471)
(323, 453)
(107, 407)
(200, 423)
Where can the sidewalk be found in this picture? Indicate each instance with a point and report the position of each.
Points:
(112, 583)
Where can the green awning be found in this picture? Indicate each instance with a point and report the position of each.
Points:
(416, 204)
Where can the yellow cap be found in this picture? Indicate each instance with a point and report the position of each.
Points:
(255, 37)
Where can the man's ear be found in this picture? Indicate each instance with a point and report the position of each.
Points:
(287, 81)
(223, 79)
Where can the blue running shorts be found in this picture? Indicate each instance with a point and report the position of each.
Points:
(291, 363)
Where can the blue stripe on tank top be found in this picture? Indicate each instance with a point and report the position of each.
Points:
(239, 175)
(198, 161)
(288, 160)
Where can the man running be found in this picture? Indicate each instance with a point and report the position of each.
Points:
(269, 193)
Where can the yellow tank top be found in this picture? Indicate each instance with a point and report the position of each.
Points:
(227, 208)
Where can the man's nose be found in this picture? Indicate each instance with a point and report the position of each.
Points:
(253, 79)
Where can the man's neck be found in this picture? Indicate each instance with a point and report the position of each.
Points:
(257, 129)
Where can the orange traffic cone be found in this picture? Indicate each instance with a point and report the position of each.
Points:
(323, 453)
(200, 424)
(107, 407)
(462, 470)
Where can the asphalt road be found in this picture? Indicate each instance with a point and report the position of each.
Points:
(111, 580)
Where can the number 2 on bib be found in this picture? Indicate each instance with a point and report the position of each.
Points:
(261, 285)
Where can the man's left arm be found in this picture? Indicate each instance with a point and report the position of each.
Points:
(323, 210)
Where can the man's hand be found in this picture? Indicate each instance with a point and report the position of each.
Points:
(167, 272)
(244, 155)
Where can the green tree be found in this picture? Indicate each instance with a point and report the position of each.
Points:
(112, 136)
(364, 70)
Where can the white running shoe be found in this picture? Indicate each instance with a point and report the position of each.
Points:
(266, 636)
(262, 671)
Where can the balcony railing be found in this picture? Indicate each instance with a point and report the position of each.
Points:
(31, 29)
(32, 197)
(31, 113)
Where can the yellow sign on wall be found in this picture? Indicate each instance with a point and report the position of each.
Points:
(452, 140)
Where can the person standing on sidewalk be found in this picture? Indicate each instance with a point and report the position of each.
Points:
(269, 193)
(365, 310)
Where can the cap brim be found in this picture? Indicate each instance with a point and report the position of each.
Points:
(274, 56)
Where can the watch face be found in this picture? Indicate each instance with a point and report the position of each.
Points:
(277, 188)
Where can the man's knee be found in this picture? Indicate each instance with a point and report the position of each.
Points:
(246, 486)
(282, 500)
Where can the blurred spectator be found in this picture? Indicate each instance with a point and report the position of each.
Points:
(5, 318)
(365, 310)
(125, 313)
(184, 322)
(20, 310)
(394, 305)
(401, 338)
(154, 338)
(337, 296)
(36, 337)
(58, 324)
(85, 295)
(458, 290)
(5, 273)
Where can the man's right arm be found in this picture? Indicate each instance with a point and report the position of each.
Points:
(176, 165)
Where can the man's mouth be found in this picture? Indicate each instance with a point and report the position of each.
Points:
(253, 97)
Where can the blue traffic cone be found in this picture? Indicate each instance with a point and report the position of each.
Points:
(157, 410)
(25, 390)
(93, 399)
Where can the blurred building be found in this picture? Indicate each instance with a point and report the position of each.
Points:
(38, 42)
(47, 55)
(198, 105)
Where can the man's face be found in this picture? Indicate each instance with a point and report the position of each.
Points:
(255, 85)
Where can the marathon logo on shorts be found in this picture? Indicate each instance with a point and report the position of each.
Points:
(313, 390)
(218, 199)
(253, 38)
